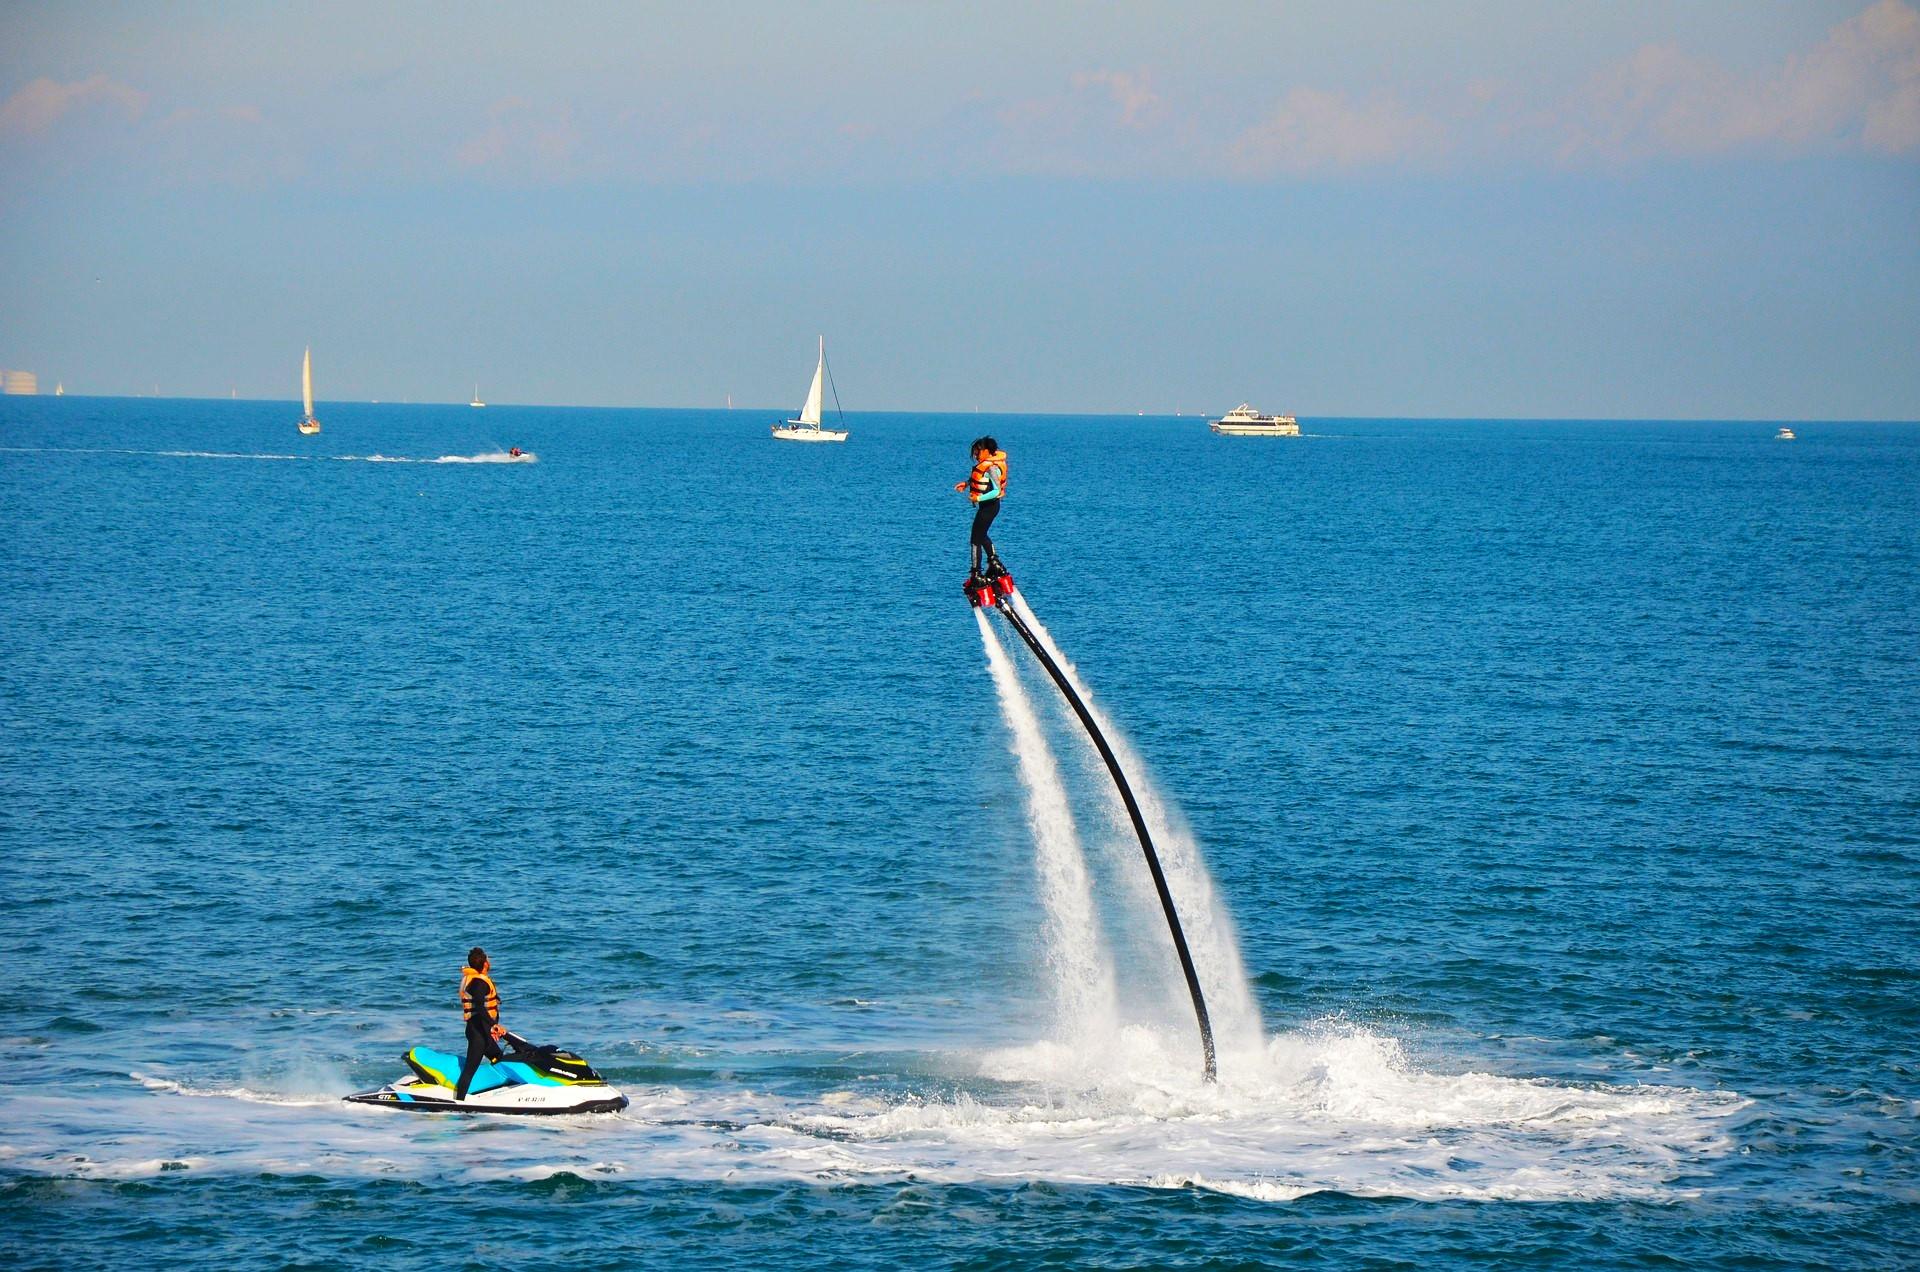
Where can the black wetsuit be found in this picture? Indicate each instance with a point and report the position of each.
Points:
(983, 514)
(480, 1043)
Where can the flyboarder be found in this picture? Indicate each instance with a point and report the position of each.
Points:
(480, 1004)
(986, 486)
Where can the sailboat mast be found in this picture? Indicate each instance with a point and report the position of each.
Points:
(306, 381)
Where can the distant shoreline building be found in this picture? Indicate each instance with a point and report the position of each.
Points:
(19, 383)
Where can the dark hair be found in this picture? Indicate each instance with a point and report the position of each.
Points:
(476, 958)
(986, 444)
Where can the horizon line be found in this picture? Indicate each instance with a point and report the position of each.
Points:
(1003, 413)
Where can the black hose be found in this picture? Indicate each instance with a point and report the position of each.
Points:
(1139, 828)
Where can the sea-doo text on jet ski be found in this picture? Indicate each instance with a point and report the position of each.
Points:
(531, 1080)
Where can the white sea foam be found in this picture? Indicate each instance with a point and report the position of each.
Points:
(488, 457)
(1330, 1108)
(195, 454)
(484, 457)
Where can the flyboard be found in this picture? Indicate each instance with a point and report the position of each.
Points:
(993, 589)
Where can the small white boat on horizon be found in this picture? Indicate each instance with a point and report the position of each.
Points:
(476, 397)
(807, 427)
(1244, 421)
(308, 424)
(1784, 435)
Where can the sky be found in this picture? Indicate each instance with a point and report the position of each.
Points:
(1696, 209)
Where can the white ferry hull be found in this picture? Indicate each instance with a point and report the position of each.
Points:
(1288, 429)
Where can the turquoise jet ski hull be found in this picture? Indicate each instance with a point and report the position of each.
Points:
(530, 1082)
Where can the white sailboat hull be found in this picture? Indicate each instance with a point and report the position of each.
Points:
(794, 431)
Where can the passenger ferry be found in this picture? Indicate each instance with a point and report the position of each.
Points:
(1244, 421)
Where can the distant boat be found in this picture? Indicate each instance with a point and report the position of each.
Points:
(308, 424)
(1784, 435)
(476, 397)
(59, 388)
(1244, 421)
(807, 427)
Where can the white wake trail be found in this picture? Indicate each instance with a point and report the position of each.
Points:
(1085, 1001)
(1211, 937)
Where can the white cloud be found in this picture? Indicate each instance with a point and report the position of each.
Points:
(1859, 88)
(518, 133)
(1313, 130)
(35, 108)
(1132, 92)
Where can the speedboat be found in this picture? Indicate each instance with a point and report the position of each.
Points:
(531, 1080)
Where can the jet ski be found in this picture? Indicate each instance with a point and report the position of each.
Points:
(531, 1080)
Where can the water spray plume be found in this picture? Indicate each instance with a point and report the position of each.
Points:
(1208, 926)
(1209, 1068)
(1083, 976)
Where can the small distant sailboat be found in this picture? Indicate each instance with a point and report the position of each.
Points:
(807, 427)
(476, 396)
(60, 388)
(308, 424)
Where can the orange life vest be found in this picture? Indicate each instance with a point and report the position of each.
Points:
(982, 480)
(467, 977)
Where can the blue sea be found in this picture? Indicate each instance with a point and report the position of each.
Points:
(1542, 800)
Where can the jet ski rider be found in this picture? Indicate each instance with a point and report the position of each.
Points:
(986, 486)
(480, 1004)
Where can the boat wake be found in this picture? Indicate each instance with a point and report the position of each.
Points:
(483, 457)
(487, 457)
(1333, 1108)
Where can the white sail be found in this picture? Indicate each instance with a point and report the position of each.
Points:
(306, 381)
(810, 413)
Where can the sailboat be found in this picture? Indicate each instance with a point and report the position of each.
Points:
(476, 397)
(807, 427)
(308, 424)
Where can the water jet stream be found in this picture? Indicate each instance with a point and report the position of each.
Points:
(1209, 1070)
